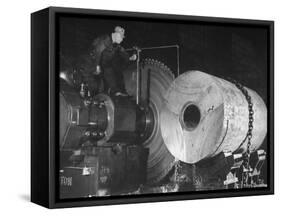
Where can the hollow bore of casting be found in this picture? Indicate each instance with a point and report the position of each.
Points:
(190, 117)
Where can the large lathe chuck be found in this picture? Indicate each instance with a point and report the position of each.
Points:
(156, 79)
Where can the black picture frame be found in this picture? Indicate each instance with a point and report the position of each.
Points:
(45, 115)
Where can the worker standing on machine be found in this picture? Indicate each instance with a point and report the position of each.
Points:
(111, 59)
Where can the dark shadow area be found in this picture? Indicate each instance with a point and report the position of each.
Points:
(25, 197)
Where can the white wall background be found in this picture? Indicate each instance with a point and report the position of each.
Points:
(15, 107)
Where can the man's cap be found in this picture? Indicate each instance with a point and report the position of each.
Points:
(119, 29)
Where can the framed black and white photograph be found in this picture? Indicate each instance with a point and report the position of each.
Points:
(139, 107)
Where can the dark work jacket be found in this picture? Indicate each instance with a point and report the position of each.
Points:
(87, 64)
(98, 46)
(112, 58)
(108, 54)
(113, 61)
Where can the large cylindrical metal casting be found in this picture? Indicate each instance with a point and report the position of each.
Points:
(205, 115)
